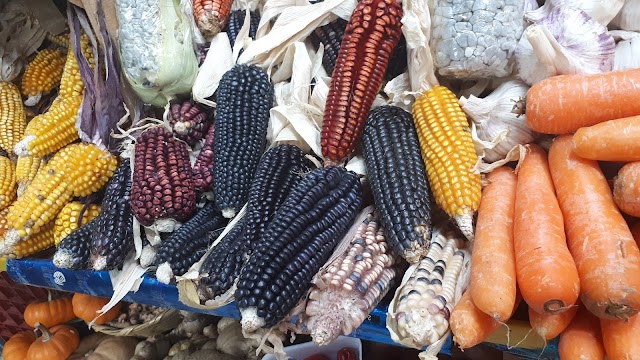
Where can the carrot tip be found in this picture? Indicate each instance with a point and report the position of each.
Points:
(621, 311)
(554, 306)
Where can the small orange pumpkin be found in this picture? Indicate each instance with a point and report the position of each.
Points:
(86, 308)
(17, 346)
(49, 313)
(56, 343)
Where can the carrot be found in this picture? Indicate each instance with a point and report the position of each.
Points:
(621, 338)
(469, 325)
(599, 239)
(493, 269)
(549, 325)
(563, 104)
(626, 189)
(614, 140)
(547, 275)
(582, 339)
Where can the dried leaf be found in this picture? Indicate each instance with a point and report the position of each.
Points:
(219, 60)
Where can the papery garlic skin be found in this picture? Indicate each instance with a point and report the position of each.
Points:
(627, 54)
(602, 11)
(498, 128)
(628, 17)
(567, 41)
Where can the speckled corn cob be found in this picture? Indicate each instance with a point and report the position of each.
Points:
(245, 97)
(34, 244)
(449, 155)
(203, 167)
(398, 181)
(76, 170)
(162, 180)
(211, 15)
(352, 285)
(27, 168)
(299, 240)
(13, 118)
(423, 304)
(42, 75)
(7, 182)
(369, 40)
(188, 121)
(71, 217)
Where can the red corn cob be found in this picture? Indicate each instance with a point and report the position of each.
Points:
(188, 121)
(211, 15)
(203, 168)
(162, 180)
(369, 40)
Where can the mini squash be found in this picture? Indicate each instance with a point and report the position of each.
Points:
(49, 313)
(56, 343)
(86, 307)
(17, 346)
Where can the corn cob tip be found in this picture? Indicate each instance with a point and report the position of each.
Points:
(63, 259)
(164, 274)
(99, 263)
(22, 147)
(166, 225)
(250, 321)
(22, 187)
(229, 213)
(148, 256)
(12, 237)
(33, 100)
(465, 224)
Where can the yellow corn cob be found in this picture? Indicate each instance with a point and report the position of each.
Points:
(7, 182)
(71, 83)
(34, 244)
(26, 169)
(449, 155)
(52, 130)
(60, 40)
(42, 75)
(13, 118)
(76, 170)
(67, 220)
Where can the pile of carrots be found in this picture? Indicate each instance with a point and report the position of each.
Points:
(552, 233)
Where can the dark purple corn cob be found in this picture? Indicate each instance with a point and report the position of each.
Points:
(245, 96)
(188, 121)
(398, 60)
(330, 36)
(112, 238)
(73, 250)
(163, 184)
(236, 21)
(280, 169)
(203, 167)
(185, 246)
(299, 240)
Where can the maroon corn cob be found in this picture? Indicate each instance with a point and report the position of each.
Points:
(203, 168)
(188, 121)
(369, 40)
(211, 15)
(163, 185)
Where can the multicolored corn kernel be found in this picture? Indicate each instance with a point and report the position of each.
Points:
(330, 36)
(27, 168)
(203, 167)
(111, 238)
(42, 75)
(13, 118)
(352, 284)
(449, 155)
(7, 182)
(72, 216)
(280, 170)
(245, 97)
(369, 40)
(211, 15)
(299, 240)
(163, 186)
(398, 181)
(188, 122)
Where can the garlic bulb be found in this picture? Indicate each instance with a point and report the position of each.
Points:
(567, 41)
(627, 54)
(602, 11)
(498, 128)
(629, 16)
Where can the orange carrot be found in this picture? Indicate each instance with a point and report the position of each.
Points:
(547, 275)
(621, 338)
(549, 325)
(563, 104)
(614, 140)
(469, 325)
(582, 339)
(600, 241)
(493, 269)
(626, 189)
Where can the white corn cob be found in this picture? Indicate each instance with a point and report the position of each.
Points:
(422, 304)
(352, 285)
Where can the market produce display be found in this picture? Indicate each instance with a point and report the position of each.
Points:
(305, 159)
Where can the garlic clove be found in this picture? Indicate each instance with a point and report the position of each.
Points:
(628, 17)
(627, 54)
(602, 11)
